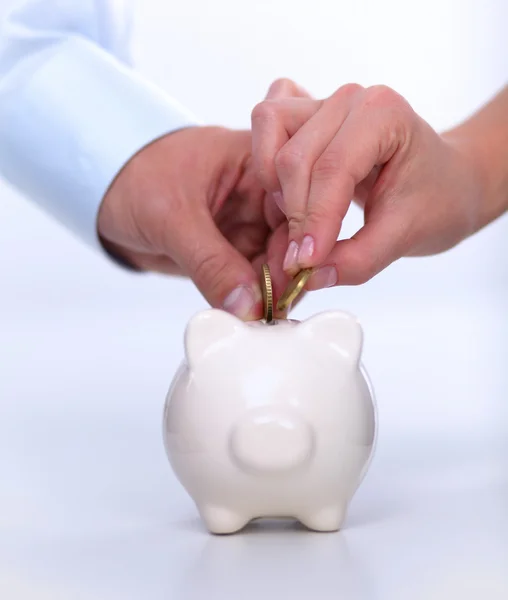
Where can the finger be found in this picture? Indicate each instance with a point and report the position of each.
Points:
(286, 88)
(224, 277)
(273, 123)
(273, 215)
(275, 246)
(291, 116)
(382, 240)
(371, 135)
(295, 162)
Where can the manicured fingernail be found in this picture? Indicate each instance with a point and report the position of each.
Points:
(307, 250)
(279, 200)
(291, 256)
(240, 302)
(324, 277)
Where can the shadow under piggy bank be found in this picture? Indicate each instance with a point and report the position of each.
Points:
(273, 560)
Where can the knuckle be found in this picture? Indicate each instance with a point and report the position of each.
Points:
(327, 166)
(288, 161)
(282, 84)
(398, 116)
(380, 93)
(383, 96)
(347, 91)
(264, 111)
(296, 220)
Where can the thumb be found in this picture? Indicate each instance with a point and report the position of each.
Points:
(226, 279)
(380, 242)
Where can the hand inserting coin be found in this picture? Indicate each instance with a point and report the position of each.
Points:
(292, 291)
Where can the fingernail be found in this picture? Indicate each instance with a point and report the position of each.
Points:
(307, 250)
(279, 200)
(291, 256)
(324, 277)
(240, 302)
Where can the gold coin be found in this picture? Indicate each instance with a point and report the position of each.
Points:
(266, 289)
(293, 289)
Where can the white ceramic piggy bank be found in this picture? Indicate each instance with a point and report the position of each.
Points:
(270, 420)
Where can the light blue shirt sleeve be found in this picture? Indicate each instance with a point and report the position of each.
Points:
(73, 111)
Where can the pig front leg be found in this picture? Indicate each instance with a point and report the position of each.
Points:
(324, 519)
(222, 520)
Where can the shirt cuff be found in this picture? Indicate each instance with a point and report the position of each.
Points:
(71, 116)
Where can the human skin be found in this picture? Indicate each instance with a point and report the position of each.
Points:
(421, 192)
(189, 204)
(213, 204)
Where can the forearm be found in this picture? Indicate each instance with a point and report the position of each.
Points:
(72, 111)
(484, 137)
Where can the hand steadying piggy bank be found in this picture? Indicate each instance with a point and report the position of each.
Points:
(270, 420)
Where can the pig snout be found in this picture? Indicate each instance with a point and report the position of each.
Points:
(269, 440)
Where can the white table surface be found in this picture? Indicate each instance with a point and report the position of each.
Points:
(90, 510)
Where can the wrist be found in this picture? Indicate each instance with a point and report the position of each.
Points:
(484, 138)
(490, 176)
(118, 254)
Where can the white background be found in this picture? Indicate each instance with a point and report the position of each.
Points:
(88, 505)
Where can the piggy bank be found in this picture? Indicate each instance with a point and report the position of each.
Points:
(270, 420)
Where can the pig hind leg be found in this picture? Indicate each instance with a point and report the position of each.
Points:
(328, 518)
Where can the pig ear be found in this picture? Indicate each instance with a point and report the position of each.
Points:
(340, 330)
(207, 330)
